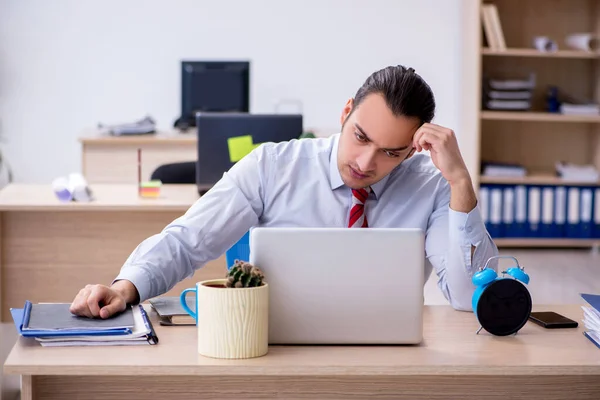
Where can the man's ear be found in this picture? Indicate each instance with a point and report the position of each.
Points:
(347, 110)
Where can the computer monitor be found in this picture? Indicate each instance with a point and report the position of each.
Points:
(213, 86)
(224, 138)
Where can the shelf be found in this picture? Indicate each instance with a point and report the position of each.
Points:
(538, 116)
(534, 180)
(536, 53)
(549, 242)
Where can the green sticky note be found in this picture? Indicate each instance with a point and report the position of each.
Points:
(240, 146)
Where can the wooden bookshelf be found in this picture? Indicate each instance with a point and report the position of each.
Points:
(515, 52)
(537, 116)
(535, 138)
(547, 243)
(535, 179)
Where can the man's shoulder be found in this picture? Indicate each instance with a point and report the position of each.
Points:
(291, 150)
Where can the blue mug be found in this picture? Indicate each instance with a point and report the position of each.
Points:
(183, 301)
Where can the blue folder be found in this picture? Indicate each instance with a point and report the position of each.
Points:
(587, 335)
(592, 299)
(19, 316)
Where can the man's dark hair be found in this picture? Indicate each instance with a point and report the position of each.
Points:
(405, 92)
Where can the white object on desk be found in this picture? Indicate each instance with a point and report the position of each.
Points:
(60, 186)
(75, 187)
(79, 188)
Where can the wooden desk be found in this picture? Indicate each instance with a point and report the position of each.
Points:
(452, 363)
(113, 159)
(50, 250)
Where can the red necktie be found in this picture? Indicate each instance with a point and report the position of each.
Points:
(358, 219)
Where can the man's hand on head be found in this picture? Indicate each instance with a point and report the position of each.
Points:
(442, 144)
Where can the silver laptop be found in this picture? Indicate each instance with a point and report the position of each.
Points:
(342, 285)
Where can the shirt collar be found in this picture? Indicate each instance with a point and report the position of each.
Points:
(334, 173)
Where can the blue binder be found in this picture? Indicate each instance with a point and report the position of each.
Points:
(572, 228)
(580, 206)
(547, 220)
(495, 212)
(594, 301)
(519, 228)
(534, 211)
(560, 211)
(508, 210)
(596, 214)
(21, 319)
(587, 206)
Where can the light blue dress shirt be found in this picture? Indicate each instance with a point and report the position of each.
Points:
(297, 183)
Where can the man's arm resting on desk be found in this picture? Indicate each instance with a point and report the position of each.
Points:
(202, 234)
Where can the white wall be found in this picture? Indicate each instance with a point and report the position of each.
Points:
(66, 65)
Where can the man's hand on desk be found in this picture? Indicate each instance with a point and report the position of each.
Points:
(102, 301)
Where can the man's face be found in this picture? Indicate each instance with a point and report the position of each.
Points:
(373, 141)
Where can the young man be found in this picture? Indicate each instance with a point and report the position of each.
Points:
(369, 175)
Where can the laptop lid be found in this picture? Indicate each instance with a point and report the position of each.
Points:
(224, 138)
(341, 285)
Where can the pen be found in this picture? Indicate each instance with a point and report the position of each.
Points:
(139, 169)
(26, 314)
(152, 338)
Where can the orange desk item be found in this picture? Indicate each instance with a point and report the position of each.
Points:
(150, 189)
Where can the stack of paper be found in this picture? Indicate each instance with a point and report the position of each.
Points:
(508, 94)
(52, 324)
(591, 318)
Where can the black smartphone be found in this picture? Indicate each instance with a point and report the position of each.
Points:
(552, 320)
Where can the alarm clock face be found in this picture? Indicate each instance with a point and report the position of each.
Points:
(504, 307)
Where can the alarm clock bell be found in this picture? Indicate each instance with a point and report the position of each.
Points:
(502, 305)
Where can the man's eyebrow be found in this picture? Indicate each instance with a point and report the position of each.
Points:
(368, 139)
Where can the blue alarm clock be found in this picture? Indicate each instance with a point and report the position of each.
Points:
(502, 305)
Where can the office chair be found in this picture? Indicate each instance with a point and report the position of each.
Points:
(176, 173)
(239, 251)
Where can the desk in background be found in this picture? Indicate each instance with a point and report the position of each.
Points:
(113, 159)
(452, 363)
(50, 250)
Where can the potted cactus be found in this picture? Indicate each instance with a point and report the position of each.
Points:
(233, 314)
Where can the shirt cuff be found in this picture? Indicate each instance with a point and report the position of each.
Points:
(138, 277)
(468, 226)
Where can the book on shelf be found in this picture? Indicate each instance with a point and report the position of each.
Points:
(591, 318)
(580, 173)
(508, 94)
(497, 169)
(492, 27)
(513, 84)
(52, 324)
(579, 109)
(170, 311)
